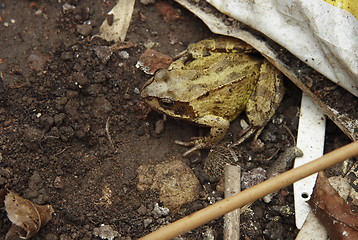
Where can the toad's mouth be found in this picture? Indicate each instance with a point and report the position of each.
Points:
(177, 109)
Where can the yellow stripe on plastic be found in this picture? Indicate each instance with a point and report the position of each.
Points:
(348, 5)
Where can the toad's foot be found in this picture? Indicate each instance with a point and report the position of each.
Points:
(248, 133)
(196, 143)
(219, 127)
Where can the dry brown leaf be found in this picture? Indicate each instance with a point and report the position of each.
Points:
(150, 61)
(333, 211)
(29, 216)
(15, 232)
(123, 45)
(168, 12)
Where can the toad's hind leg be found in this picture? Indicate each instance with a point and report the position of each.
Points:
(219, 127)
(264, 101)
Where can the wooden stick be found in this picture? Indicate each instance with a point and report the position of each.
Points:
(252, 194)
(232, 187)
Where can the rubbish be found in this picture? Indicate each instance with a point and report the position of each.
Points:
(310, 139)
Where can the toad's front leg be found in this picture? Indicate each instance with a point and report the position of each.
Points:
(219, 127)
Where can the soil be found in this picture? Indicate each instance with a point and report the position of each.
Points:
(74, 129)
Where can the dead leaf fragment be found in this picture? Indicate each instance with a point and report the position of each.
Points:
(168, 12)
(29, 216)
(151, 61)
(123, 45)
(15, 233)
(333, 211)
(115, 26)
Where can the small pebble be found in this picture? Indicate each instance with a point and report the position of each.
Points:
(66, 55)
(267, 136)
(105, 232)
(209, 234)
(123, 55)
(66, 7)
(58, 183)
(149, 44)
(101, 107)
(104, 53)
(147, 221)
(159, 126)
(32, 136)
(285, 211)
(142, 210)
(252, 177)
(38, 12)
(136, 91)
(160, 211)
(243, 124)
(84, 29)
(278, 120)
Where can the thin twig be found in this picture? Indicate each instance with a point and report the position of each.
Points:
(61, 151)
(108, 133)
(289, 132)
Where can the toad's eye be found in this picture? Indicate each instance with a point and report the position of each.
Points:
(166, 102)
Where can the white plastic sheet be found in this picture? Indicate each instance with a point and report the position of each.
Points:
(323, 35)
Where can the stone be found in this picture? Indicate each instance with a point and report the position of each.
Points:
(174, 180)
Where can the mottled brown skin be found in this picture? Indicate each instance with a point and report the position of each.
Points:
(211, 83)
